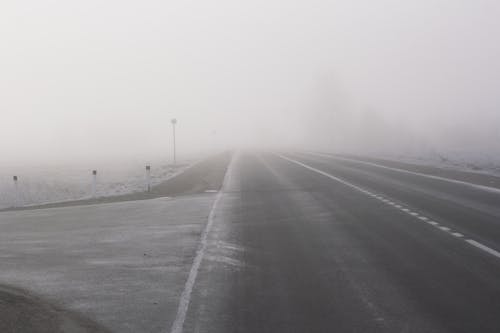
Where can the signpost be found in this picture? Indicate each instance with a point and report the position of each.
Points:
(174, 122)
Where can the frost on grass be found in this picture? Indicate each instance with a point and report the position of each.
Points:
(39, 185)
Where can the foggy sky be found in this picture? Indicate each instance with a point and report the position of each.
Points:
(102, 79)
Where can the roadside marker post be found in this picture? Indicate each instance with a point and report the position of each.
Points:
(16, 189)
(148, 178)
(94, 183)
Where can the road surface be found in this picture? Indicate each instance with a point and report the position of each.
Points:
(310, 243)
(293, 242)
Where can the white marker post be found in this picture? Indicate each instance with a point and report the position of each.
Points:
(94, 183)
(16, 189)
(148, 178)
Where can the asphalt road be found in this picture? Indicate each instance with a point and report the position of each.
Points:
(122, 265)
(310, 243)
(113, 264)
(291, 243)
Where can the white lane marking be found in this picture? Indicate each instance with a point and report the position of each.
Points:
(423, 218)
(477, 186)
(483, 247)
(322, 173)
(185, 299)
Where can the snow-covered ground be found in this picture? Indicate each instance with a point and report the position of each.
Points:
(451, 159)
(38, 185)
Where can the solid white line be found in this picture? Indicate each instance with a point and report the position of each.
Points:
(446, 229)
(185, 299)
(483, 247)
(320, 172)
(481, 187)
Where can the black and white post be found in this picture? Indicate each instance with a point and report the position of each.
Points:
(94, 183)
(16, 194)
(174, 122)
(148, 178)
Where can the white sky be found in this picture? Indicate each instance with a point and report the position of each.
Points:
(101, 79)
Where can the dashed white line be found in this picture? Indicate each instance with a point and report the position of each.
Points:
(406, 210)
(483, 247)
(449, 180)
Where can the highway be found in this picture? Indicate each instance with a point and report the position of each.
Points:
(292, 242)
(311, 243)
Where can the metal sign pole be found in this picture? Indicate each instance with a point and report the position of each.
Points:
(174, 122)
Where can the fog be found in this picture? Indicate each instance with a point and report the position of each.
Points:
(86, 80)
